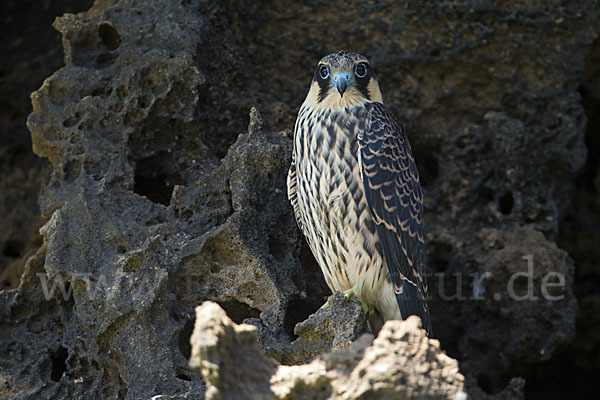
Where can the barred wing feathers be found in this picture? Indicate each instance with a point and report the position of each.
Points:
(391, 185)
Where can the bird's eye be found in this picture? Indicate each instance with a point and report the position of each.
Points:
(324, 71)
(361, 70)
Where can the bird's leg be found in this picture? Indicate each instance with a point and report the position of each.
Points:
(326, 305)
(353, 291)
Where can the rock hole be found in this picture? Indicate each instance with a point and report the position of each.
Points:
(487, 194)
(427, 162)
(59, 364)
(72, 121)
(184, 339)
(102, 92)
(461, 142)
(485, 383)
(145, 101)
(238, 311)
(184, 377)
(155, 177)
(277, 248)
(312, 273)
(122, 92)
(109, 36)
(121, 248)
(123, 389)
(20, 311)
(158, 219)
(13, 248)
(439, 254)
(298, 310)
(506, 203)
(156, 189)
(430, 170)
(72, 170)
(105, 60)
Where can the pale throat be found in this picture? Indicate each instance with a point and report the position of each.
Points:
(351, 98)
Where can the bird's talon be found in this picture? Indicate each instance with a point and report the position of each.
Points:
(352, 292)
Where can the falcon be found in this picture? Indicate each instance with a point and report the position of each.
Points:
(355, 191)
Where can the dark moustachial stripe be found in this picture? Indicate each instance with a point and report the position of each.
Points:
(324, 85)
(362, 84)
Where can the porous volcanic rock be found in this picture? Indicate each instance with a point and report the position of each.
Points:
(162, 192)
(401, 363)
(29, 53)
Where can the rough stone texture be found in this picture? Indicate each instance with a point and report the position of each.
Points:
(580, 235)
(401, 363)
(30, 52)
(142, 270)
(155, 203)
(220, 347)
(517, 307)
(333, 328)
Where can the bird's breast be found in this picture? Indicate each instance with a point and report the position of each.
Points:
(331, 199)
(327, 146)
(330, 135)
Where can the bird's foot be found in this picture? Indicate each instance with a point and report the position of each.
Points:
(353, 292)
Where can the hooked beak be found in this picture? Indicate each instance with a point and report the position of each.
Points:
(341, 80)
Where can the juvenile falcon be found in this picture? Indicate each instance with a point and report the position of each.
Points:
(355, 190)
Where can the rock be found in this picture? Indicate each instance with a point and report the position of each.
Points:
(143, 217)
(228, 356)
(579, 234)
(30, 52)
(336, 327)
(400, 363)
(513, 281)
(514, 390)
(144, 259)
(163, 192)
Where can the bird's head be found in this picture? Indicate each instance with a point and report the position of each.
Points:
(342, 80)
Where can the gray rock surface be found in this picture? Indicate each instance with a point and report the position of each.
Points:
(517, 307)
(29, 53)
(335, 327)
(401, 363)
(161, 193)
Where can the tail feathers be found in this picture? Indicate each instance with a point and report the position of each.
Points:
(412, 302)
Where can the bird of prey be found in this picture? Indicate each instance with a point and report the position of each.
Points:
(355, 191)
